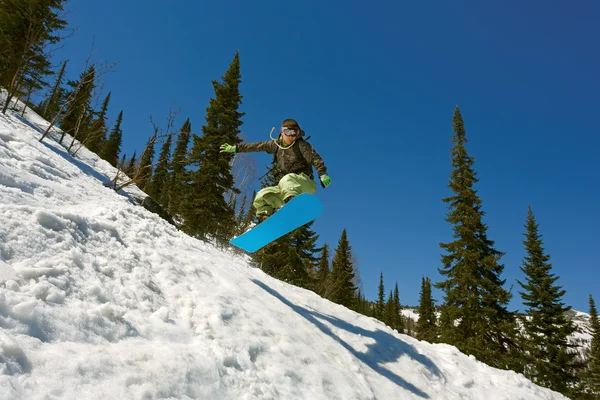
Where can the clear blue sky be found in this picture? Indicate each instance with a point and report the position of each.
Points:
(375, 85)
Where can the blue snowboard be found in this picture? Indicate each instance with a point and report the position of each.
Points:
(299, 211)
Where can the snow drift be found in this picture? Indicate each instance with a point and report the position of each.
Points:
(101, 299)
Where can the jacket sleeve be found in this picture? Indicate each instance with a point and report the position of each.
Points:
(313, 158)
(269, 147)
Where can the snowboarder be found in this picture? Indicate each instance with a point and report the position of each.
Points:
(294, 158)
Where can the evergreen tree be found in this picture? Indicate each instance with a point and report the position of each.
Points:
(206, 212)
(426, 327)
(379, 307)
(131, 165)
(388, 312)
(323, 285)
(398, 317)
(80, 112)
(344, 291)
(179, 175)
(51, 106)
(591, 376)
(112, 147)
(474, 293)
(145, 166)
(27, 29)
(96, 137)
(548, 355)
(157, 186)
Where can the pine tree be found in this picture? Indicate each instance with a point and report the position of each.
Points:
(398, 317)
(323, 284)
(131, 165)
(379, 306)
(80, 112)
(549, 356)
(426, 327)
(344, 291)
(112, 147)
(388, 311)
(179, 177)
(51, 106)
(474, 293)
(96, 137)
(145, 165)
(591, 377)
(27, 29)
(157, 186)
(206, 212)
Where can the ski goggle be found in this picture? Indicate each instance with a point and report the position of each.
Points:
(289, 131)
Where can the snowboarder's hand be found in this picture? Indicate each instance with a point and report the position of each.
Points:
(225, 148)
(326, 180)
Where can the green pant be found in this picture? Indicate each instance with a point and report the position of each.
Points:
(271, 198)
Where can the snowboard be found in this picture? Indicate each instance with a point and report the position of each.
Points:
(299, 211)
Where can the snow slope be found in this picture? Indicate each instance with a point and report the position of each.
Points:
(101, 299)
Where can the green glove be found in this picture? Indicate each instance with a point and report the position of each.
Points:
(326, 180)
(225, 148)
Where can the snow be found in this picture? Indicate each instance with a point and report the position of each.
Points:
(99, 298)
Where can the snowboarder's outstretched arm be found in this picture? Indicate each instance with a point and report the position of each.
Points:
(269, 147)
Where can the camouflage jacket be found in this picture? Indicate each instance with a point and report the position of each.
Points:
(297, 159)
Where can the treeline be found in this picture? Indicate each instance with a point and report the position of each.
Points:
(200, 190)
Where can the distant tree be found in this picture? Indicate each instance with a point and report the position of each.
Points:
(398, 320)
(158, 184)
(427, 325)
(591, 376)
(379, 306)
(144, 169)
(206, 211)
(27, 29)
(131, 165)
(344, 291)
(51, 105)
(96, 136)
(112, 147)
(549, 357)
(388, 312)
(474, 294)
(79, 114)
(363, 306)
(323, 284)
(179, 176)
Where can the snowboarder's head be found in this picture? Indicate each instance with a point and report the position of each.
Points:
(290, 131)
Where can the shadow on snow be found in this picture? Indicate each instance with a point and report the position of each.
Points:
(386, 348)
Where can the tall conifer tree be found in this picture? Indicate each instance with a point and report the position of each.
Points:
(591, 376)
(379, 306)
(427, 325)
(50, 107)
(343, 273)
(179, 175)
(145, 165)
(206, 212)
(157, 186)
(549, 357)
(96, 137)
(80, 111)
(112, 147)
(398, 317)
(323, 284)
(474, 293)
